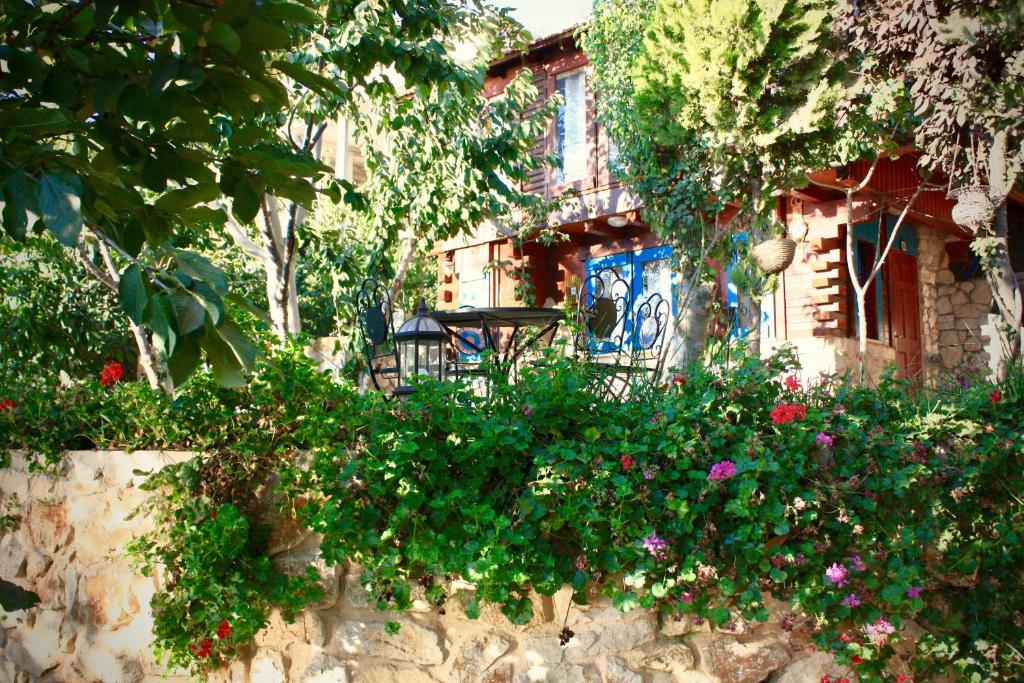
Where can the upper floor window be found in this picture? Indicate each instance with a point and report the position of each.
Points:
(572, 127)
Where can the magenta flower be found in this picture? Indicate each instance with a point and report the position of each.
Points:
(836, 574)
(825, 440)
(654, 545)
(879, 631)
(648, 474)
(686, 598)
(852, 600)
(914, 592)
(857, 564)
(722, 470)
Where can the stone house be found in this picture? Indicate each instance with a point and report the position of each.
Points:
(930, 311)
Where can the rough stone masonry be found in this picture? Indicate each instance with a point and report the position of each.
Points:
(93, 621)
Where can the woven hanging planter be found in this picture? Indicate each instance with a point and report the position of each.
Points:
(974, 209)
(774, 255)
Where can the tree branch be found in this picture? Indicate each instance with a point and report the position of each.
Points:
(83, 255)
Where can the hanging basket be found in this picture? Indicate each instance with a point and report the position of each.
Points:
(974, 209)
(774, 255)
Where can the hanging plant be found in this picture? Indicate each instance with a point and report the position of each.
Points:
(974, 208)
(774, 255)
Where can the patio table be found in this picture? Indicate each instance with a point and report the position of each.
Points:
(493, 321)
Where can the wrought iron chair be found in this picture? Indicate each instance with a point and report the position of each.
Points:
(603, 317)
(377, 328)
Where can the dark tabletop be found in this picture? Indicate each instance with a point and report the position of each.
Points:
(507, 316)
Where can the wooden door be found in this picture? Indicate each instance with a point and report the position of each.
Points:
(905, 313)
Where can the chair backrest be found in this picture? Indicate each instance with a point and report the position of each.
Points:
(604, 313)
(377, 327)
(649, 326)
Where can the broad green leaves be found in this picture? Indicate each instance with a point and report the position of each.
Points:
(60, 203)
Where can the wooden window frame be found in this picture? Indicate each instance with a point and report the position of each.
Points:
(556, 69)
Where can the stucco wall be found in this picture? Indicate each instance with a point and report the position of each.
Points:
(93, 623)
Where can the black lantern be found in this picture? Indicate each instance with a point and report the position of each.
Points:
(420, 343)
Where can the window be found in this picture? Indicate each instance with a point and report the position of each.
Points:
(572, 127)
(646, 272)
(865, 262)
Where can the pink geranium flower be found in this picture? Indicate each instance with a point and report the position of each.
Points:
(722, 470)
(836, 574)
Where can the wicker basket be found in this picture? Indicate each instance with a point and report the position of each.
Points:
(775, 255)
(974, 209)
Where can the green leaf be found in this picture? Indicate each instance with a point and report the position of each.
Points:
(190, 312)
(200, 268)
(185, 360)
(625, 601)
(473, 608)
(131, 292)
(719, 615)
(60, 202)
(21, 204)
(246, 202)
(313, 81)
(160, 320)
(34, 120)
(224, 36)
(186, 197)
(225, 366)
(392, 627)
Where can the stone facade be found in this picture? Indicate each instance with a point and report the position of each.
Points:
(955, 316)
(93, 622)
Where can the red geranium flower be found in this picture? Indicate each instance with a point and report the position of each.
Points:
(679, 380)
(111, 373)
(787, 412)
(224, 630)
(792, 383)
(904, 678)
(855, 660)
(627, 462)
(995, 396)
(7, 404)
(203, 651)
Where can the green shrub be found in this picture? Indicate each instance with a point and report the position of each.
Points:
(863, 507)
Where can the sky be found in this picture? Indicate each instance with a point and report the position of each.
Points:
(542, 17)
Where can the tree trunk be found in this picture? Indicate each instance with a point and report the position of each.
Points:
(692, 328)
(995, 258)
(749, 315)
(408, 253)
(862, 332)
(149, 361)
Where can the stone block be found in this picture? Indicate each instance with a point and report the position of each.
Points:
(500, 673)
(611, 637)
(563, 673)
(681, 625)
(267, 667)
(322, 668)
(959, 298)
(101, 664)
(667, 656)
(476, 654)
(13, 556)
(734, 661)
(809, 669)
(387, 673)
(982, 294)
(945, 277)
(47, 525)
(951, 357)
(542, 651)
(37, 647)
(616, 671)
(106, 597)
(413, 643)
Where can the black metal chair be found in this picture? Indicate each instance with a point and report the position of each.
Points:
(603, 317)
(377, 328)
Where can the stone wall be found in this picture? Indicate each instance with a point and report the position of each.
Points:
(955, 316)
(93, 622)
